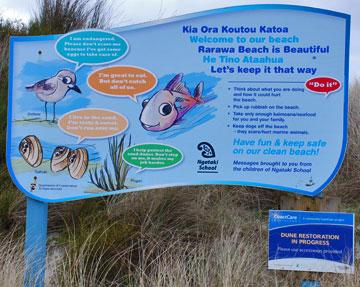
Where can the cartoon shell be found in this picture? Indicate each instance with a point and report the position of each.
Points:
(31, 150)
(59, 158)
(78, 162)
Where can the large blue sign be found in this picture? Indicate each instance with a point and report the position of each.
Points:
(250, 95)
(311, 241)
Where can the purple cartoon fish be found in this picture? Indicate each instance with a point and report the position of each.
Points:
(167, 106)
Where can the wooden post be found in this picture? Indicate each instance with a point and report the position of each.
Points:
(321, 203)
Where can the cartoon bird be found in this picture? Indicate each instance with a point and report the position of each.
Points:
(54, 89)
(166, 107)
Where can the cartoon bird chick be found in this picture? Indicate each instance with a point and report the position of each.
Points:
(54, 89)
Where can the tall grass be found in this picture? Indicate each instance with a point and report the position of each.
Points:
(346, 185)
(158, 253)
(115, 179)
(83, 265)
(7, 28)
(11, 261)
(61, 16)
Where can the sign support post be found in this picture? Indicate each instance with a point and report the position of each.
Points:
(318, 203)
(35, 242)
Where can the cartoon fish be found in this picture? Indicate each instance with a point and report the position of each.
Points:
(166, 107)
(31, 150)
(78, 162)
(59, 158)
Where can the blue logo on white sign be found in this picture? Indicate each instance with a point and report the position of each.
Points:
(311, 241)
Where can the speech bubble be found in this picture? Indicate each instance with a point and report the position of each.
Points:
(122, 81)
(321, 85)
(93, 123)
(152, 156)
(91, 47)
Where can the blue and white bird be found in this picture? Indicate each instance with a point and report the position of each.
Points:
(54, 89)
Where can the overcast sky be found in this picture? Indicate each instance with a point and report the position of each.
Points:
(135, 11)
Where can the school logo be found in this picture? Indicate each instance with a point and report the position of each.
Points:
(208, 163)
(207, 150)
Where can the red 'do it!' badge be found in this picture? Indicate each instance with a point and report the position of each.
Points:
(323, 85)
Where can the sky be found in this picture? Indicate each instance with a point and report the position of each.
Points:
(138, 11)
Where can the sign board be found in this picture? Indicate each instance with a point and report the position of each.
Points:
(251, 95)
(311, 241)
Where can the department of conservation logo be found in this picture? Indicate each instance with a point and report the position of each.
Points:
(208, 163)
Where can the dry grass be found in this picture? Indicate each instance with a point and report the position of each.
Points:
(59, 16)
(233, 256)
(347, 182)
(11, 261)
